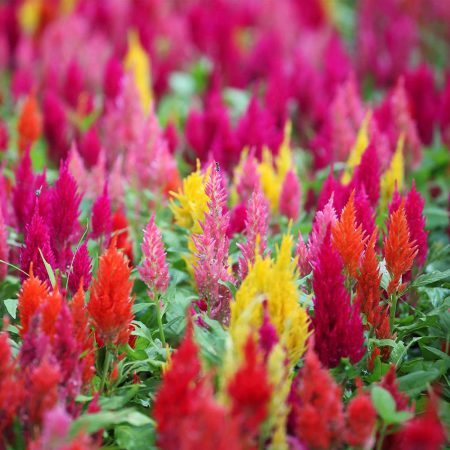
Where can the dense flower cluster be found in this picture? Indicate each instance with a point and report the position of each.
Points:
(224, 224)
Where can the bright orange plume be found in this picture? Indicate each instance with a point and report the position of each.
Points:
(348, 238)
(110, 303)
(29, 126)
(399, 251)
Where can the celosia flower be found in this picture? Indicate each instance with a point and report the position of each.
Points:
(237, 220)
(67, 351)
(192, 201)
(83, 335)
(333, 189)
(211, 250)
(393, 177)
(154, 270)
(4, 249)
(301, 252)
(256, 227)
(11, 389)
(399, 250)
(110, 303)
(348, 238)
(37, 246)
(416, 223)
(42, 390)
(365, 214)
(81, 269)
(323, 219)
(368, 173)
(274, 281)
(63, 215)
(101, 216)
(90, 147)
(390, 383)
(23, 194)
(120, 229)
(290, 196)
(361, 420)
(424, 432)
(337, 323)
(246, 176)
(4, 136)
(318, 417)
(112, 78)
(29, 126)
(249, 392)
(268, 337)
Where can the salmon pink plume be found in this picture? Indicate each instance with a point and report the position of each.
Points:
(211, 250)
(101, 216)
(80, 270)
(424, 432)
(337, 323)
(368, 174)
(63, 215)
(256, 228)
(4, 249)
(37, 247)
(290, 196)
(317, 413)
(247, 176)
(110, 302)
(186, 414)
(11, 389)
(23, 194)
(250, 392)
(323, 219)
(29, 126)
(361, 420)
(399, 249)
(301, 252)
(154, 270)
(348, 238)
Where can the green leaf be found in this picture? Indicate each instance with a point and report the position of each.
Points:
(385, 405)
(11, 306)
(91, 423)
(430, 278)
(383, 402)
(135, 438)
(230, 286)
(48, 268)
(416, 382)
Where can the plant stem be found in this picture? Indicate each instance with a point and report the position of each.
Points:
(393, 310)
(106, 364)
(159, 319)
(381, 437)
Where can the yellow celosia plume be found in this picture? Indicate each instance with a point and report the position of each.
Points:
(29, 15)
(273, 172)
(273, 281)
(361, 143)
(394, 174)
(138, 63)
(191, 201)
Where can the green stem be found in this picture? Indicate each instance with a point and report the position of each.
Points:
(381, 437)
(393, 310)
(106, 364)
(159, 319)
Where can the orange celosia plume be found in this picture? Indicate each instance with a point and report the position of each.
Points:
(399, 251)
(110, 303)
(29, 126)
(348, 238)
(34, 296)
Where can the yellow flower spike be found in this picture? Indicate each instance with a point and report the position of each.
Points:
(192, 201)
(394, 174)
(67, 6)
(361, 143)
(137, 62)
(273, 172)
(278, 408)
(274, 281)
(29, 15)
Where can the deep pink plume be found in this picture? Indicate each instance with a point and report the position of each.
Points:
(81, 269)
(4, 250)
(101, 216)
(290, 196)
(368, 173)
